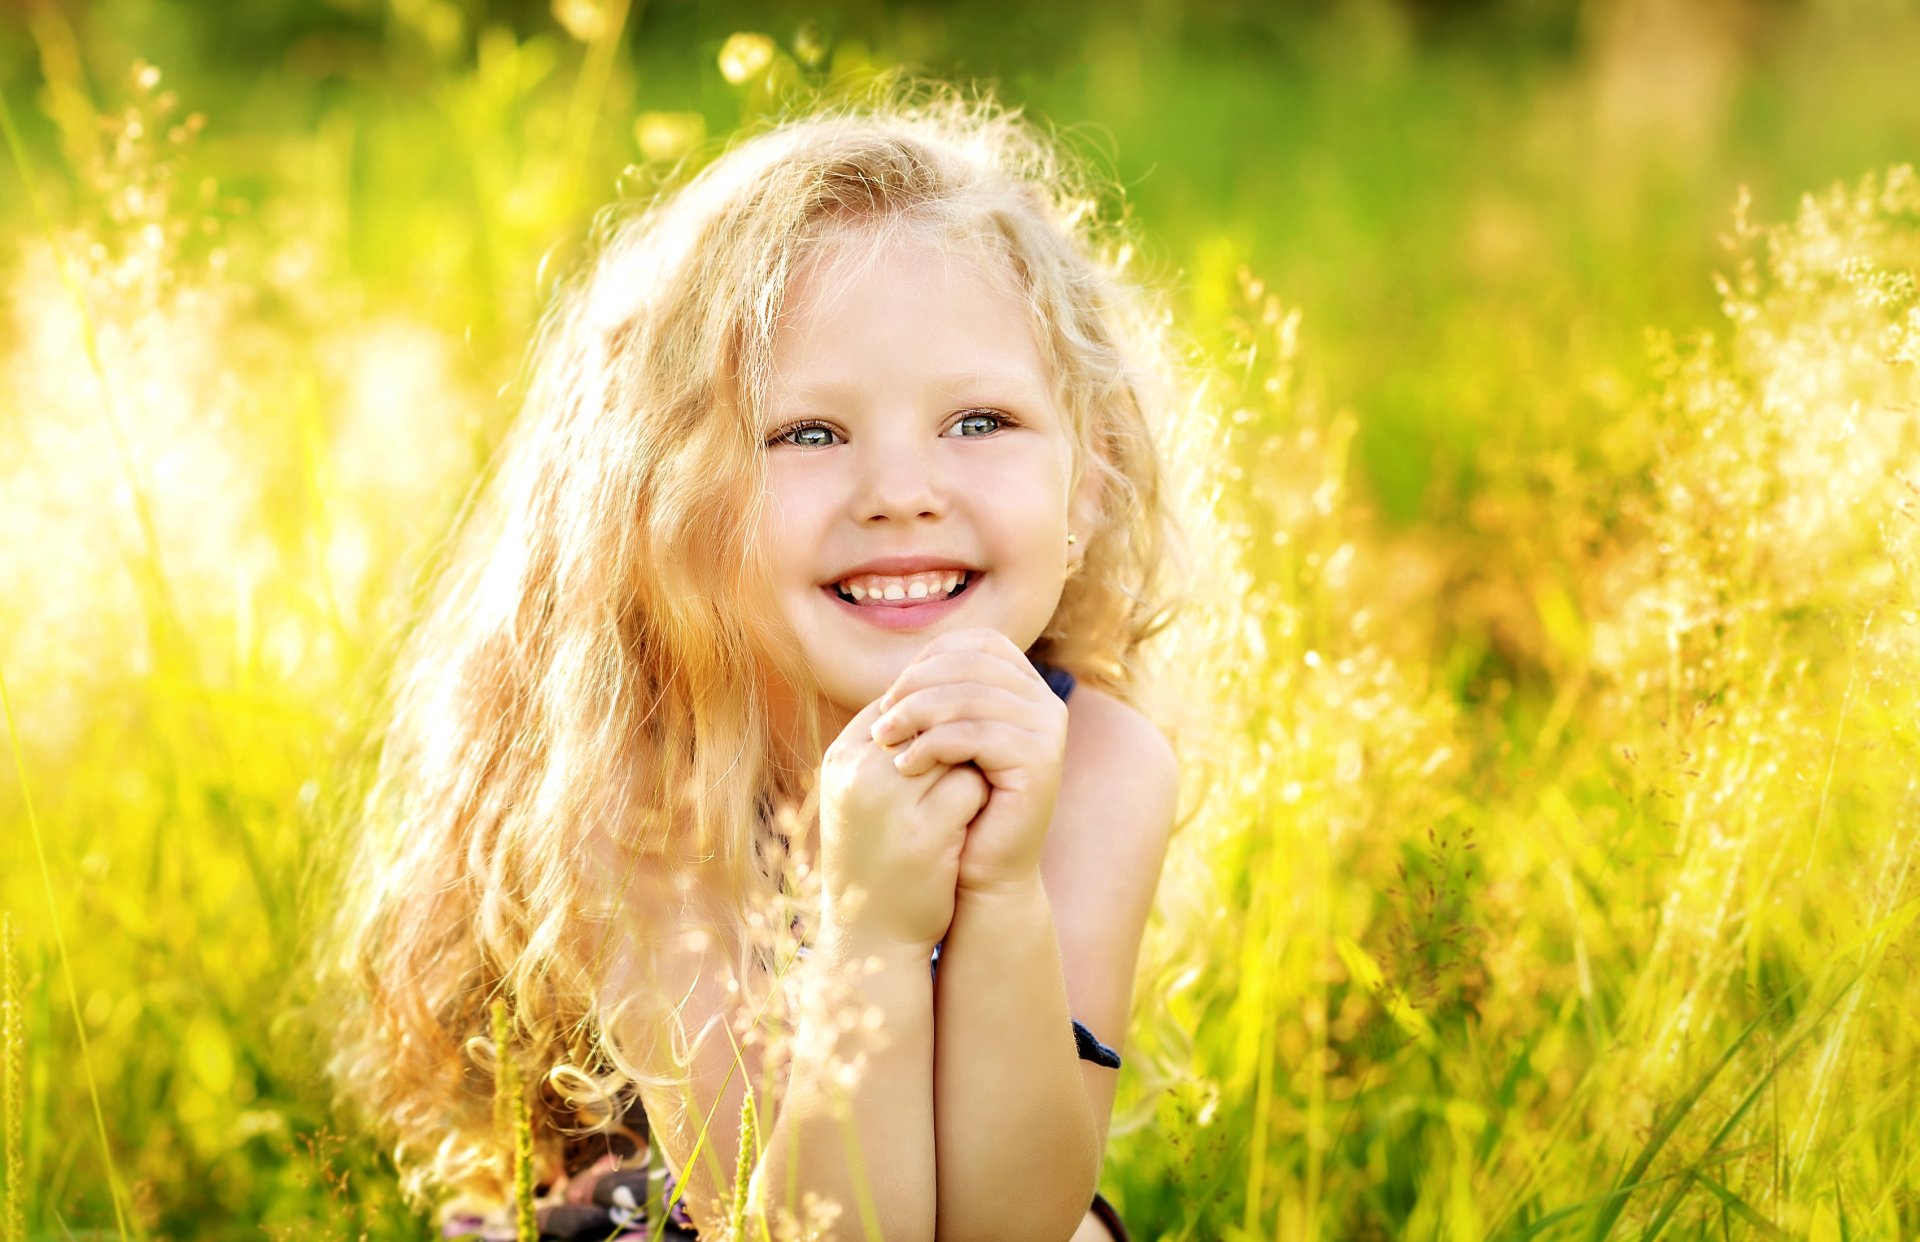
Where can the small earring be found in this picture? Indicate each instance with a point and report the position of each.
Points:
(1071, 538)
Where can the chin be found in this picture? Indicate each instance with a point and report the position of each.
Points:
(848, 679)
(861, 689)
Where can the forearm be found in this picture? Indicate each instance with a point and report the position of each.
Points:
(1015, 1140)
(863, 1140)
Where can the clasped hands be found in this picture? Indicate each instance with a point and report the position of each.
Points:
(941, 788)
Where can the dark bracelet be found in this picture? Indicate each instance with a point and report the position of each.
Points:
(1090, 1047)
(1085, 1042)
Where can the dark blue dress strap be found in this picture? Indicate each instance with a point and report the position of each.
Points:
(1059, 680)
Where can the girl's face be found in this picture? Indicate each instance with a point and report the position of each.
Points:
(912, 435)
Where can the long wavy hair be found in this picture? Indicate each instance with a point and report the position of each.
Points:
(588, 690)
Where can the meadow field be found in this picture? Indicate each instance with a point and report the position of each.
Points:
(1552, 842)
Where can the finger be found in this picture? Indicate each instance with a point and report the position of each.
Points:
(955, 667)
(865, 716)
(855, 746)
(940, 652)
(974, 638)
(969, 700)
(994, 746)
(934, 666)
(847, 746)
(958, 793)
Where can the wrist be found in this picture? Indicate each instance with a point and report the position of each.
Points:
(848, 943)
(1020, 891)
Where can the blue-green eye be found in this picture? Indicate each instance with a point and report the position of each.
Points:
(994, 417)
(790, 435)
(799, 435)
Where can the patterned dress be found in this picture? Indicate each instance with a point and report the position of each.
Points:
(614, 1187)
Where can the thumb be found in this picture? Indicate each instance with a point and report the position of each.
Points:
(860, 728)
(958, 795)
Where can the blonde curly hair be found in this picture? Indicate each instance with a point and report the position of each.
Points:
(571, 711)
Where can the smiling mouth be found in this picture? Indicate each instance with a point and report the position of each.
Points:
(960, 588)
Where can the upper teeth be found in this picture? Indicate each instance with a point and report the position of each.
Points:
(912, 586)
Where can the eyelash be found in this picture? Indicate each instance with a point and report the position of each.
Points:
(780, 436)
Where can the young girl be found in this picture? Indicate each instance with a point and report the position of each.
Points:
(791, 650)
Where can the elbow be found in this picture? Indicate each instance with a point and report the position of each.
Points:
(1078, 1183)
(1049, 1218)
(1044, 1212)
(1048, 1208)
(1057, 1211)
(1076, 1206)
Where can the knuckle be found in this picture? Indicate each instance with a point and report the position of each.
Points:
(937, 737)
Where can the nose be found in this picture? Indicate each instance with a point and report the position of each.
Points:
(899, 480)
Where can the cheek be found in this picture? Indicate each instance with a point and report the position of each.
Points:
(1032, 478)
(1026, 499)
(791, 506)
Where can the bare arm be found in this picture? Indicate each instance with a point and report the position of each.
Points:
(1019, 1148)
(1020, 1121)
(856, 1124)
(852, 1120)
(849, 1123)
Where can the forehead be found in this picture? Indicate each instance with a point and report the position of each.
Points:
(838, 251)
(867, 309)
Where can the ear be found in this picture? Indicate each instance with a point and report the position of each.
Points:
(1086, 512)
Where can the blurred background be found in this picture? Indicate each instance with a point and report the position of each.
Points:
(1554, 463)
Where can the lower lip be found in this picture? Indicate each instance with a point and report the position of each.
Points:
(904, 616)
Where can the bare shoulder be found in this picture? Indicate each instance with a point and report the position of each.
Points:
(1117, 757)
(1102, 860)
(1112, 721)
(1111, 825)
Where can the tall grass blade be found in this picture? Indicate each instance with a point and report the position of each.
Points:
(743, 1168)
(60, 945)
(1741, 1208)
(857, 1166)
(13, 1091)
(510, 1112)
(164, 615)
(166, 626)
(1746, 1102)
(590, 89)
(1664, 1130)
(1526, 1233)
(706, 1123)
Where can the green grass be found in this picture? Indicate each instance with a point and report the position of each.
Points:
(1552, 867)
